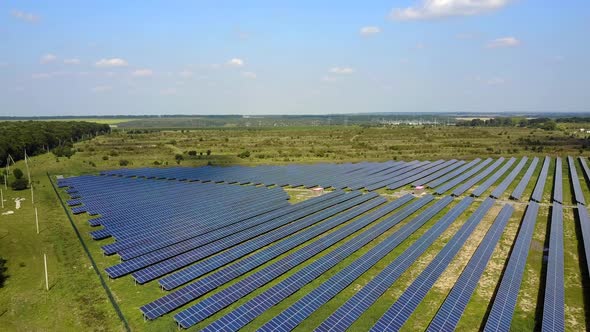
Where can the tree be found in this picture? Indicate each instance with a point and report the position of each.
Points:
(178, 158)
(208, 152)
(18, 174)
(19, 184)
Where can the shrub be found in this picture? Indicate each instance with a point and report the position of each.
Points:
(18, 174)
(178, 158)
(123, 162)
(192, 153)
(245, 154)
(208, 152)
(19, 184)
(63, 151)
(105, 157)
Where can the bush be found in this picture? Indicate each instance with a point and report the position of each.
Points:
(178, 158)
(123, 162)
(245, 154)
(63, 151)
(18, 174)
(192, 153)
(19, 184)
(208, 152)
(105, 157)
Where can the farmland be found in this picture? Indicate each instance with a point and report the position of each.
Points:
(75, 286)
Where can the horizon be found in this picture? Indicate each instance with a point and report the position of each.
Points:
(66, 58)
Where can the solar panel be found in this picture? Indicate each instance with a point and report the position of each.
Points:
(489, 182)
(578, 195)
(438, 174)
(405, 181)
(558, 182)
(554, 302)
(452, 183)
(400, 311)
(501, 188)
(471, 182)
(517, 193)
(352, 309)
(584, 221)
(296, 313)
(447, 177)
(504, 302)
(202, 286)
(448, 315)
(537, 195)
(257, 305)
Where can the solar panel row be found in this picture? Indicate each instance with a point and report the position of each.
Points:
(578, 195)
(448, 315)
(474, 180)
(397, 183)
(452, 183)
(362, 300)
(489, 182)
(233, 251)
(554, 302)
(537, 195)
(387, 181)
(231, 234)
(436, 182)
(558, 182)
(504, 302)
(257, 305)
(400, 311)
(267, 274)
(296, 313)
(519, 190)
(438, 174)
(584, 221)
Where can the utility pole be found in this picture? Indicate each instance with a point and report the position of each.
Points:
(32, 196)
(27, 165)
(46, 278)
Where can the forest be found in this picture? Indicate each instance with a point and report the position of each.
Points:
(36, 137)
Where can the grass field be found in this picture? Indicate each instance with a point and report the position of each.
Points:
(76, 300)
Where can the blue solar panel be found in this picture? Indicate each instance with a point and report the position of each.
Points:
(519, 190)
(474, 180)
(400, 311)
(578, 194)
(350, 311)
(296, 313)
(554, 302)
(501, 188)
(414, 177)
(453, 182)
(537, 195)
(269, 273)
(438, 174)
(251, 309)
(558, 182)
(448, 315)
(489, 182)
(449, 176)
(504, 302)
(584, 221)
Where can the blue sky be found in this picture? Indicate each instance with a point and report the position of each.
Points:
(293, 57)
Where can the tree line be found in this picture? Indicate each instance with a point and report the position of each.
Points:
(542, 123)
(37, 137)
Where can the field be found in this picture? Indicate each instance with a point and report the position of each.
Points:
(83, 305)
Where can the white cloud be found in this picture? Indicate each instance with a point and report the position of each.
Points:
(143, 73)
(114, 62)
(47, 58)
(39, 76)
(341, 70)
(169, 92)
(101, 88)
(24, 16)
(72, 61)
(503, 42)
(186, 74)
(236, 62)
(249, 74)
(369, 31)
(432, 9)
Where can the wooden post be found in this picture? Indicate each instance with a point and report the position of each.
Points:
(37, 220)
(32, 196)
(2, 198)
(46, 278)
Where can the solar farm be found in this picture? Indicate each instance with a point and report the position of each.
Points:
(230, 250)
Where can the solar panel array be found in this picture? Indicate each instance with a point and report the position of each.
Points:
(554, 302)
(448, 315)
(578, 195)
(197, 230)
(504, 302)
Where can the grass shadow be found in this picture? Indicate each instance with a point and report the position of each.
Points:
(582, 261)
(543, 276)
(3, 269)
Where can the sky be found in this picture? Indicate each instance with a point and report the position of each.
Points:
(293, 57)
